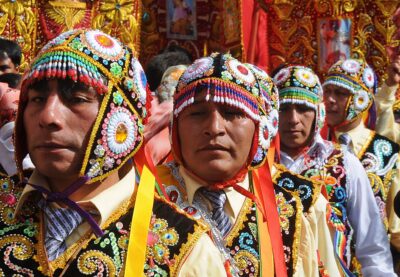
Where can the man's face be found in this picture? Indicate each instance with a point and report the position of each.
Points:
(7, 66)
(57, 124)
(215, 140)
(335, 100)
(296, 126)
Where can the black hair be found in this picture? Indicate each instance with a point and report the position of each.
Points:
(177, 49)
(278, 68)
(159, 64)
(12, 79)
(12, 49)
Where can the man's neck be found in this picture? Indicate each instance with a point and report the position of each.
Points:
(88, 191)
(350, 126)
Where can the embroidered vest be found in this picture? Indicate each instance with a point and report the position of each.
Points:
(242, 240)
(333, 174)
(379, 157)
(171, 236)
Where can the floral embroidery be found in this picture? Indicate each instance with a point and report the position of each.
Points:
(285, 211)
(159, 238)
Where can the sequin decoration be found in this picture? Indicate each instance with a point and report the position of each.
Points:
(368, 77)
(158, 240)
(93, 261)
(361, 100)
(240, 72)
(351, 66)
(198, 69)
(306, 77)
(139, 78)
(285, 211)
(282, 76)
(264, 136)
(119, 133)
(103, 45)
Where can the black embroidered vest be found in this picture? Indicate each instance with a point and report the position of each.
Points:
(379, 158)
(173, 234)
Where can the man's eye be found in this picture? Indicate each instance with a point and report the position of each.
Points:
(78, 100)
(36, 99)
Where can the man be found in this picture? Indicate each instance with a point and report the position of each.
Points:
(348, 93)
(303, 151)
(10, 56)
(224, 122)
(82, 108)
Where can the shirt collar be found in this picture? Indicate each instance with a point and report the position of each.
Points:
(235, 199)
(358, 136)
(103, 204)
(318, 144)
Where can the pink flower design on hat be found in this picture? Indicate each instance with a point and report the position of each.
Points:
(197, 69)
(351, 66)
(282, 76)
(368, 77)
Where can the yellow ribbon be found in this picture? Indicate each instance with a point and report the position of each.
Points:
(141, 217)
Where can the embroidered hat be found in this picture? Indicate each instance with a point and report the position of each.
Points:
(243, 86)
(359, 79)
(300, 85)
(105, 64)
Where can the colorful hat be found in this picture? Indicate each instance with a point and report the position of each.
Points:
(359, 79)
(105, 64)
(169, 80)
(300, 85)
(243, 86)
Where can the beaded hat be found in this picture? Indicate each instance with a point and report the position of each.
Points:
(230, 82)
(300, 85)
(358, 78)
(105, 64)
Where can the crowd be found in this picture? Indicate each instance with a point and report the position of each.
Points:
(209, 167)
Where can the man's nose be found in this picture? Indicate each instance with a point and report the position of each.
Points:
(51, 114)
(215, 123)
(293, 116)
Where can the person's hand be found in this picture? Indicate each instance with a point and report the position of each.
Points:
(394, 71)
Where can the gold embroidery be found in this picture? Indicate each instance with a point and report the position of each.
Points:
(285, 211)
(244, 258)
(93, 260)
(22, 246)
(239, 224)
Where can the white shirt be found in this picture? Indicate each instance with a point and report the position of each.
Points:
(7, 150)
(372, 245)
